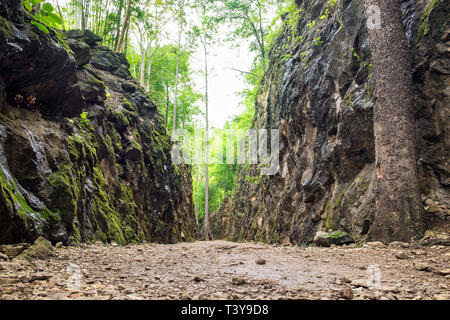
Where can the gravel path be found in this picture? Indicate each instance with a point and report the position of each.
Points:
(225, 270)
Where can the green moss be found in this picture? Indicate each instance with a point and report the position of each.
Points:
(337, 234)
(115, 138)
(119, 119)
(337, 204)
(75, 147)
(6, 28)
(128, 105)
(338, 201)
(66, 190)
(424, 28)
(93, 81)
(76, 234)
(50, 216)
(62, 41)
(14, 201)
(104, 211)
(348, 99)
(83, 146)
(16, 204)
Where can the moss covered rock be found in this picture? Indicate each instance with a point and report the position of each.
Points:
(93, 162)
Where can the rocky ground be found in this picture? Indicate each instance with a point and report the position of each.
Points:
(225, 270)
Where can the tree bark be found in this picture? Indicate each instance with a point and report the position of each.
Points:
(119, 20)
(180, 32)
(206, 228)
(124, 27)
(399, 208)
(149, 73)
(167, 105)
(83, 16)
(142, 67)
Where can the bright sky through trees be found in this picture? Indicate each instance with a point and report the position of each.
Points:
(225, 83)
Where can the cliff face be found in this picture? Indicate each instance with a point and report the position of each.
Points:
(83, 152)
(318, 92)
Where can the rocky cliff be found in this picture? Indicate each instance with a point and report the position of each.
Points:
(318, 92)
(83, 152)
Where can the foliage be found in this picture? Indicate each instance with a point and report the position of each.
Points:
(162, 60)
(43, 14)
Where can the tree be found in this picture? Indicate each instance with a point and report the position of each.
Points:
(205, 33)
(399, 208)
(124, 27)
(180, 13)
(248, 19)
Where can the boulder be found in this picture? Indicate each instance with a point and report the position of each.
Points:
(105, 59)
(326, 239)
(82, 53)
(13, 250)
(433, 237)
(40, 250)
(86, 36)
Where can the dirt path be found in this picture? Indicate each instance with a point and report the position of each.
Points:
(225, 270)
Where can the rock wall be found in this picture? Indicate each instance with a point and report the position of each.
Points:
(318, 92)
(83, 155)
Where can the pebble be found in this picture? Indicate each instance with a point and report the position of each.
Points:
(401, 255)
(423, 266)
(346, 293)
(39, 277)
(359, 283)
(443, 272)
(221, 296)
(238, 281)
(198, 279)
(392, 289)
(376, 244)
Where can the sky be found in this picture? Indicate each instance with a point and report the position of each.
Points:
(224, 83)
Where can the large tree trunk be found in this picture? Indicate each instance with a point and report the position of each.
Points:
(399, 209)
(124, 27)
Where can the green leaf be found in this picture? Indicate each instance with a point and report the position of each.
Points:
(41, 27)
(54, 18)
(27, 5)
(47, 7)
